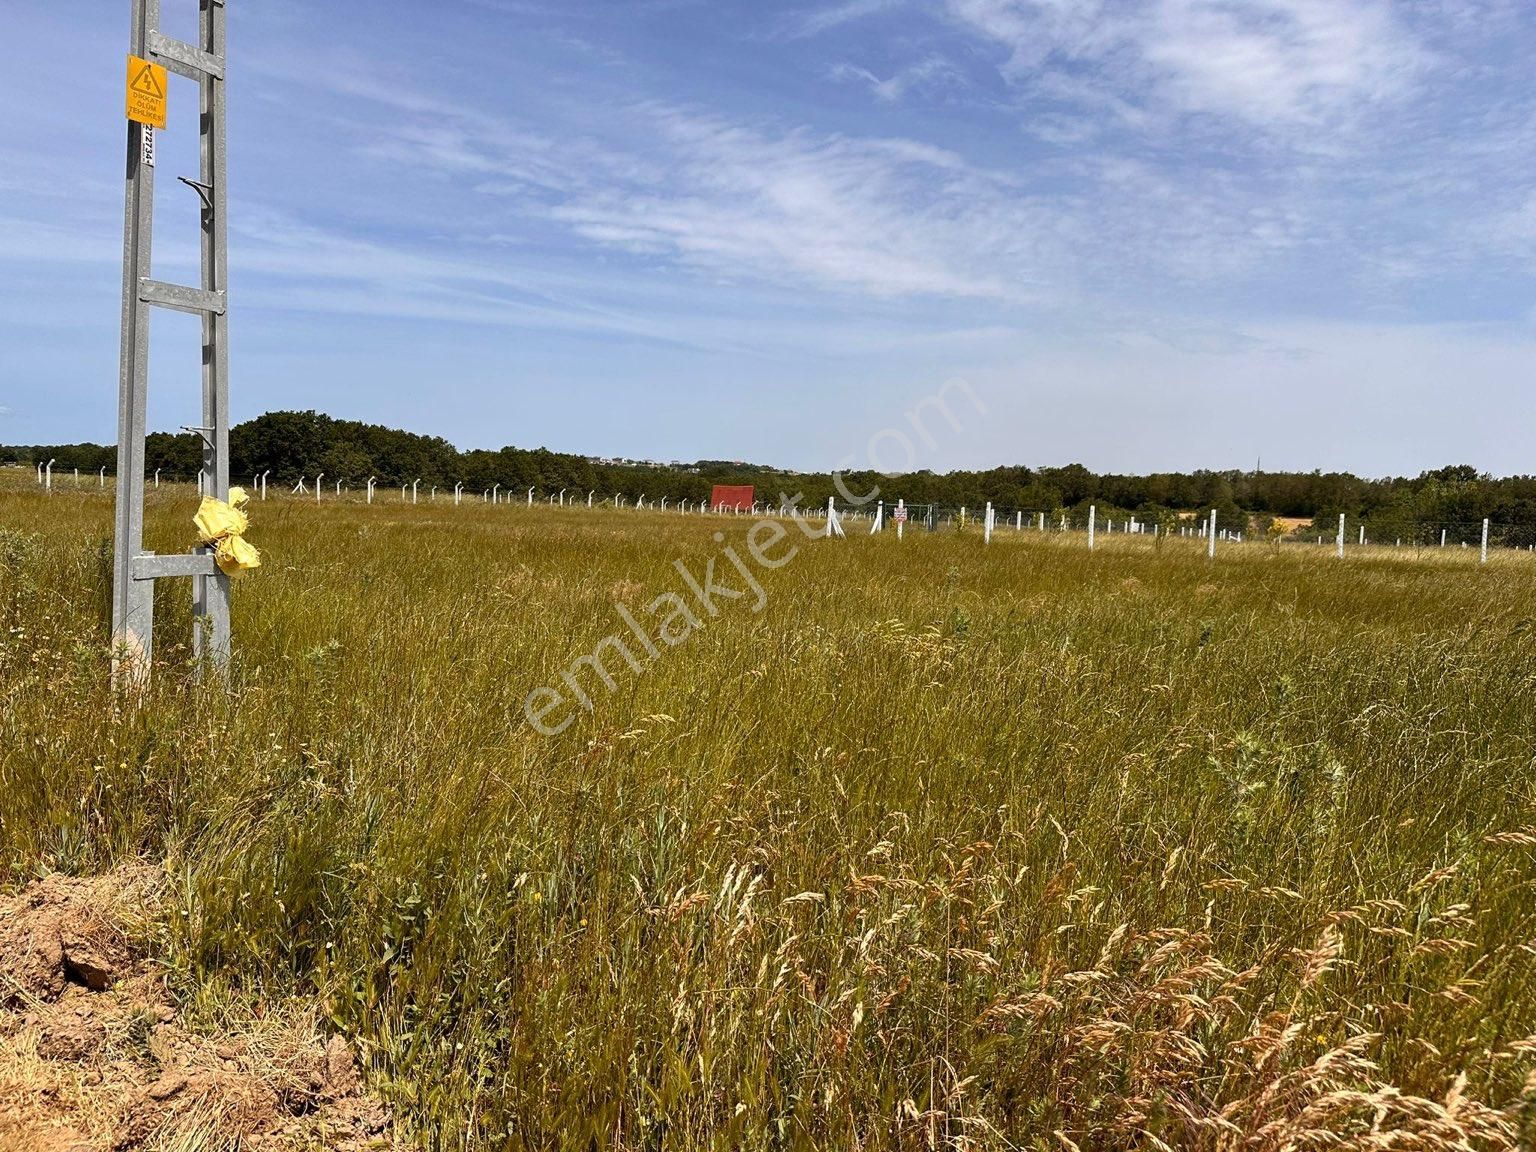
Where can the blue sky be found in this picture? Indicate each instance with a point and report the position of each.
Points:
(1147, 233)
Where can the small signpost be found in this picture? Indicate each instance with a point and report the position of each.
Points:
(152, 56)
(900, 516)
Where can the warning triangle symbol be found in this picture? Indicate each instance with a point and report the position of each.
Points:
(146, 84)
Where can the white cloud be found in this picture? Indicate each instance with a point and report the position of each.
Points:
(899, 83)
(1303, 62)
(1281, 65)
(744, 202)
(662, 193)
(884, 217)
(814, 23)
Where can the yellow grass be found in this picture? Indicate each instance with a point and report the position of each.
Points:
(947, 845)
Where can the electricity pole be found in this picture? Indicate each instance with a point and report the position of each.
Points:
(152, 55)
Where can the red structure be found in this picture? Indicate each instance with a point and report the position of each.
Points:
(737, 496)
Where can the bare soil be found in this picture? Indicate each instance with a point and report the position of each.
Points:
(94, 1056)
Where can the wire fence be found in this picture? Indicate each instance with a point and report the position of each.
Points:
(1392, 532)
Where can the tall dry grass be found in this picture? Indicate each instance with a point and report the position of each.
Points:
(949, 846)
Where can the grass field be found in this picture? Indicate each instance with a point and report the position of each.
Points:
(948, 845)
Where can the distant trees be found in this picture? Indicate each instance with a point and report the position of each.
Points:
(86, 457)
(294, 444)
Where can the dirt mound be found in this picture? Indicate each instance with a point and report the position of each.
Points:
(94, 1057)
(62, 930)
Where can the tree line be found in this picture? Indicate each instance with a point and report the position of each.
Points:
(301, 444)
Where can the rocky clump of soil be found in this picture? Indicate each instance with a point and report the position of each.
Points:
(94, 1056)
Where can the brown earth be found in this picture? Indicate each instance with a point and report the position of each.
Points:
(94, 1056)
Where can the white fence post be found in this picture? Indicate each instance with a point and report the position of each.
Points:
(1341, 534)
(1093, 524)
(1484, 559)
(834, 526)
(1211, 546)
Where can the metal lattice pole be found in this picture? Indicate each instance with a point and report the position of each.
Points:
(134, 570)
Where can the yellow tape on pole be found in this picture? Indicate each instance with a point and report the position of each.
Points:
(223, 526)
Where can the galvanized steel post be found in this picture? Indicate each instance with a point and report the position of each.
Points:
(135, 571)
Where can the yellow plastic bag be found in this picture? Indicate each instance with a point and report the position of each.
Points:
(216, 520)
(233, 556)
(223, 526)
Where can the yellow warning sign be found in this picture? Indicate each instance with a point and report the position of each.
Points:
(146, 92)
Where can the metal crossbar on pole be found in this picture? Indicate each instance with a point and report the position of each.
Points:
(134, 570)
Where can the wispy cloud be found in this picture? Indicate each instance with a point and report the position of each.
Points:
(903, 80)
(1277, 65)
(1093, 203)
(880, 217)
(884, 217)
(813, 23)
(1288, 62)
